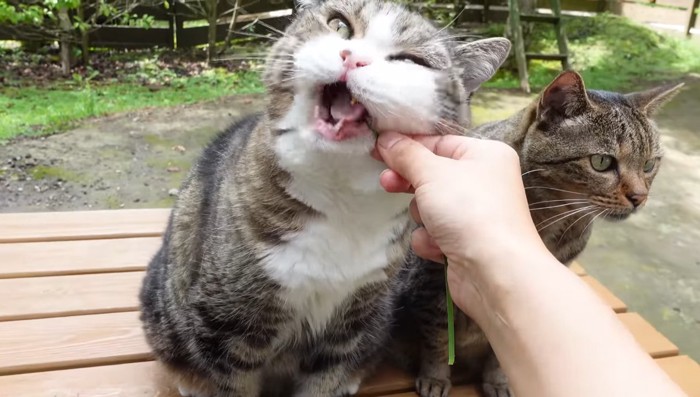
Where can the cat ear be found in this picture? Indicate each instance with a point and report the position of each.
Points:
(650, 101)
(303, 4)
(480, 60)
(565, 97)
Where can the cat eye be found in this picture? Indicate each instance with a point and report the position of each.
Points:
(649, 165)
(602, 162)
(341, 26)
(409, 58)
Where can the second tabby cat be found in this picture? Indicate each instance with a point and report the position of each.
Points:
(584, 155)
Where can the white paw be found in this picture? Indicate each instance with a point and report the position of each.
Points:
(351, 388)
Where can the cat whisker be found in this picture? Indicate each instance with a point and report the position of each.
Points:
(591, 222)
(532, 171)
(560, 201)
(256, 35)
(555, 189)
(453, 20)
(555, 216)
(272, 28)
(558, 206)
(563, 216)
(575, 222)
(249, 58)
(452, 128)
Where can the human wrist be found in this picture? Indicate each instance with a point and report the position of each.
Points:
(499, 279)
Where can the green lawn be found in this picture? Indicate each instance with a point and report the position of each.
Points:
(610, 52)
(45, 110)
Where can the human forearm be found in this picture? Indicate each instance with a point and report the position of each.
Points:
(585, 351)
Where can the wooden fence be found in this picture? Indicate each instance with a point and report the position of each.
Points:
(266, 16)
(665, 12)
(170, 30)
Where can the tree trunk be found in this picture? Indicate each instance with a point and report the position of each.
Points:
(211, 19)
(66, 33)
(84, 43)
(231, 25)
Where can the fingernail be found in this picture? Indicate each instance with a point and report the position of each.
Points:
(388, 139)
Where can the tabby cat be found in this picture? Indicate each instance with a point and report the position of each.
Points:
(277, 271)
(585, 154)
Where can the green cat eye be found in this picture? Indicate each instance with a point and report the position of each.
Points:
(341, 26)
(649, 165)
(601, 162)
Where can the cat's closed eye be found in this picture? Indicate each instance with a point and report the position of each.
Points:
(341, 26)
(409, 58)
(602, 162)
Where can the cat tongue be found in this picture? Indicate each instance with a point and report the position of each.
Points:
(342, 107)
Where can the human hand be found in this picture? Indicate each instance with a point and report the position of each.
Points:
(469, 199)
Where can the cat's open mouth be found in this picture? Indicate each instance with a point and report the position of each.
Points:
(338, 116)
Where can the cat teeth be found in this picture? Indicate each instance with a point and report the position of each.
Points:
(338, 125)
(317, 112)
(353, 101)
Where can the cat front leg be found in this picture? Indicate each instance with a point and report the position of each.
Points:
(429, 312)
(434, 374)
(217, 384)
(335, 381)
(495, 381)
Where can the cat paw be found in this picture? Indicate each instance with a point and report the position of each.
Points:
(432, 387)
(349, 389)
(495, 384)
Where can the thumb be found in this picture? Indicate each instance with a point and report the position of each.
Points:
(405, 156)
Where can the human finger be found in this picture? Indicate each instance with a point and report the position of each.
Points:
(413, 210)
(406, 157)
(424, 246)
(394, 183)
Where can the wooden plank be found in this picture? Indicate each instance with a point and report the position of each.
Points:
(578, 269)
(124, 380)
(199, 35)
(684, 371)
(610, 299)
(83, 225)
(546, 57)
(457, 391)
(388, 380)
(71, 342)
(651, 340)
(42, 297)
(76, 257)
(541, 18)
(561, 34)
(149, 379)
(131, 37)
(518, 44)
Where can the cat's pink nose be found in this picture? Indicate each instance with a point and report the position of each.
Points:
(352, 61)
(637, 199)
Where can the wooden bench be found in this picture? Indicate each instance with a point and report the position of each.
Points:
(69, 322)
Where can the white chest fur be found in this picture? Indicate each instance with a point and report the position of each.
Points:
(345, 248)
